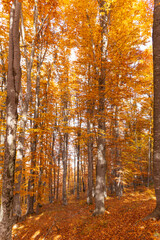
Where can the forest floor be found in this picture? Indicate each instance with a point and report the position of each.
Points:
(123, 219)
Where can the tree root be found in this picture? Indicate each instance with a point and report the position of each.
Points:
(155, 215)
(98, 212)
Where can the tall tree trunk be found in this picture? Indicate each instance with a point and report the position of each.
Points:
(118, 170)
(2, 111)
(13, 89)
(101, 144)
(156, 116)
(65, 105)
(78, 159)
(65, 150)
(90, 165)
(58, 173)
(24, 112)
(74, 188)
(52, 160)
(69, 173)
(65, 147)
(31, 184)
(64, 160)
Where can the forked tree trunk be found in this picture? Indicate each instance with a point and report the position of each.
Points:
(13, 89)
(156, 130)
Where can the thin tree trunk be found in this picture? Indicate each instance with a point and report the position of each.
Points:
(74, 188)
(58, 172)
(118, 170)
(78, 161)
(53, 159)
(39, 185)
(13, 89)
(31, 184)
(90, 165)
(64, 160)
(69, 173)
(2, 113)
(149, 158)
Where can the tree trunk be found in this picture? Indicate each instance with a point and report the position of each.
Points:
(13, 89)
(90, 165)
(101, 144)
(31, 184)
(52, 160)
(64, 160)
(118, 170)
(74, 187)
(78, 160)
(156, 116)
(24, 112)
(58, 172)
(3, 110)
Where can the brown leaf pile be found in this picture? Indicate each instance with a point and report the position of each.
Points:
(123, 219)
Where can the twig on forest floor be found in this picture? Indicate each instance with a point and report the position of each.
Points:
(54, 223)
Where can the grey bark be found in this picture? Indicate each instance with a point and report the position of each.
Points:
(101, 144)
(24, 112)
(64, 160)
(31, 184)
(65, 152)
(13, 89)
(90, 165)
(40, 59)
(3, 76)
(78, 158)
(118, 170)
(58, 173)
(90, 108)
(65, 104)
(52, 160)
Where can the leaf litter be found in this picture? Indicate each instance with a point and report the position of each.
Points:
(123, 219)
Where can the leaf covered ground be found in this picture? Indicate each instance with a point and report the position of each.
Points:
(122, 220)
